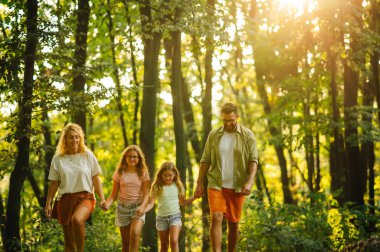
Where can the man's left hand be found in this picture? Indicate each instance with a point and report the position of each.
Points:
(247, 189)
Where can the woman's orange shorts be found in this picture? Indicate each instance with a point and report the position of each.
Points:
(70, 201)
(226, 201)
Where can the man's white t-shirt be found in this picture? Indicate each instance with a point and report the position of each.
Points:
(74, 172)
(226, 148)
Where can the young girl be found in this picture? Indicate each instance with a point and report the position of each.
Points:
(131, 186)
(170, 194)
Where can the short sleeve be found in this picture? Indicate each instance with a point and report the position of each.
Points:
(145, 177)
(53, 172)
(94, 165)
(206, 156)
(116, 176)
(253, 152)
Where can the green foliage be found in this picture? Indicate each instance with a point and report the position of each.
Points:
(314, 225)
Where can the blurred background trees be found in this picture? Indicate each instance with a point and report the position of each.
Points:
(305, 75)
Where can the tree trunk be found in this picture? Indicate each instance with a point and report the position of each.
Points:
(152, 41)
(337, 154)
(267, 109)
(375, 27)
(79, 80)
(356, 176)
(49, 152)
(119, 95)
(179, 132)
(309, 144)
(317, 162)
(19, 174)
(134, 70)
(192, 133)
(207, 118)
(3, 220)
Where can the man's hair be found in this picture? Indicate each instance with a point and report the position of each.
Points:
(229, 108)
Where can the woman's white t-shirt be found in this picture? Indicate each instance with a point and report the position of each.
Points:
(74, 172)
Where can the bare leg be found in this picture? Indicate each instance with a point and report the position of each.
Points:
(216, 231)
(69, 238)
(78, 219)
(164, 239)
(174, 234)
(135, 233)
(124, 233)
(233, 234)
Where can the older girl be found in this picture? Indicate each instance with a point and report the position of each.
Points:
(131, 186)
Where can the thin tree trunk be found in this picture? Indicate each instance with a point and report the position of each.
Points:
(261, 177)
(356, 177)
(192, 133)
(49, 152)
(267, 109)
(179, 132)
(207, 117)
(79, 80)
(317, 162)
(337, 154)
(2, 220)
(309, 145)
(119, 95)
(134, 71)
(375, 27)
(152, 41)
(367, 151)
(19, 174)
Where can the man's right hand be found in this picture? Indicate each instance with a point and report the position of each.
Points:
(199, 191)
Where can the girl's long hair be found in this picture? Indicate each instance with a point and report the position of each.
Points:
(62, 143)
(158, 183)
(141, 165)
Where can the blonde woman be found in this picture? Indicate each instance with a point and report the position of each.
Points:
(131, 187)
(74, 173)
(168, 189)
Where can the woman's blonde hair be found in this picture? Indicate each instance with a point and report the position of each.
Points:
(141, 165)
(158, 183)
(62, 143)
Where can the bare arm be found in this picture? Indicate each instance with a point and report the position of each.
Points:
(150, 204)
(98, 188)
(251, 172)
(145, 198)
(184, 202)
(53, 188)
(199, 190)
(113, 196)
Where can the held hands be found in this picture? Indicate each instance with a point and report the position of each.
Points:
(199, 191)
(104, 205)
(140, 211)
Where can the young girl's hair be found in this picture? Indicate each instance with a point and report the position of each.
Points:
(62, 143)
(158, 183)
(141, 165)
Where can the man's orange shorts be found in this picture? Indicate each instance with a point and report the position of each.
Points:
(226, 201)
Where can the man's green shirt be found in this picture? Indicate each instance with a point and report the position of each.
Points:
(245, 151)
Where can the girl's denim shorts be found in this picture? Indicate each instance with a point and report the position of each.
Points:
(125, 213)
(164, 222)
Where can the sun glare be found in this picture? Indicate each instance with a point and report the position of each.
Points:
(300, 6)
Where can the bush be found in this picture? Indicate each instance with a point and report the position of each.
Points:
(314, 225)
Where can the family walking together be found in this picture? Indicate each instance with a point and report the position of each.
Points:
(229, 161)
